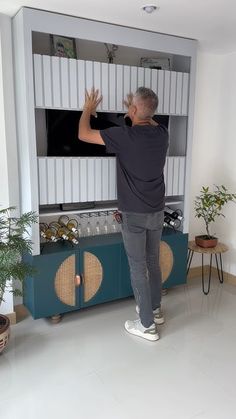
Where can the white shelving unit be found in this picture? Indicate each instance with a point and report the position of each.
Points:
(44, 82)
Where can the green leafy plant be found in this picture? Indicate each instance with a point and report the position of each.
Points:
(14, 243)
(208, 205)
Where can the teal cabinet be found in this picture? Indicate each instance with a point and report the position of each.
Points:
(52, 290)
(69, 277)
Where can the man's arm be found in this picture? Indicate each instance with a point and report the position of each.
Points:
(85, 132)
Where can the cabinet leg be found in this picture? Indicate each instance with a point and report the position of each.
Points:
(56, 318)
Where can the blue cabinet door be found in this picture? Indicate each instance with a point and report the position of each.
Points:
(100, 267)
(52, 289)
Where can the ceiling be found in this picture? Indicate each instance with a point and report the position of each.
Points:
(211, 22)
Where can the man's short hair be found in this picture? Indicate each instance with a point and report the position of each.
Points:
(146, 101)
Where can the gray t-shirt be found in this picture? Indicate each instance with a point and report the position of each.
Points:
(141, 154)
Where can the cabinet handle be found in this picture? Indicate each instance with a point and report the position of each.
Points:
(78, 280)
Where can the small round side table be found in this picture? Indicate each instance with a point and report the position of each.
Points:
(217, 251)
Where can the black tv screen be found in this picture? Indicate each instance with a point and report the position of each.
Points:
(62, 132)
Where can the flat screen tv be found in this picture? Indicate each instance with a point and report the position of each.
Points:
(62, 132)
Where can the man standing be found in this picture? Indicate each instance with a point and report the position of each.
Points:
(141, 153)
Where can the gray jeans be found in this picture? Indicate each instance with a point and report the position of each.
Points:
(141, 236)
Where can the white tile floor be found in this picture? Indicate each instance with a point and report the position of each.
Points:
(88, 367)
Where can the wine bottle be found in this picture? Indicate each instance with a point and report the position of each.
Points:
(72, 225)
(43, 227)
(61, 231)
(175, 214)
(63, 220)
(72, 238)
(172, 223)
(51, 234)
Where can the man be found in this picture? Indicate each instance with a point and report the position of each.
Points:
(141, 153)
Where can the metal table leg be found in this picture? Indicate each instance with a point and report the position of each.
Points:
(189, 259)
(219, 271)
(209, 277)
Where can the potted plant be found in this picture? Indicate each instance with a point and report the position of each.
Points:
(208, 205)
(14, 242)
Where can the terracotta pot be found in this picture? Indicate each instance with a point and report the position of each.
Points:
(204, 241)
(4, 332)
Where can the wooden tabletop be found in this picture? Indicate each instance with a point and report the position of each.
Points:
(219, 248)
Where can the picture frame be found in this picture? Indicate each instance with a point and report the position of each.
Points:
(161, 63)
(62, 46)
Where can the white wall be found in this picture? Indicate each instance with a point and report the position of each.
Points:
(9, 187)
(214, 147)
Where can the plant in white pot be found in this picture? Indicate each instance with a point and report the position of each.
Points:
(14, 243)
(208, 206)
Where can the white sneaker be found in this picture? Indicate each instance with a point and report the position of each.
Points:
(158, 315)
(135, 327)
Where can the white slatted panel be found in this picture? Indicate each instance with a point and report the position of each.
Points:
(140, 76)
(105, 179)
(98, 179)
(91, 180)
(81, 82)
(38, 80)
(51, 186)
(67, 178)
(154, 81)
(112, 179)
(42, 177)
(126, 84)
(174, 175)
(112, 87)
(169, 185)
(166, 92)
(185, 94)
(119, 87)
(59, 180)
(173, 76)
(134, 79)
(179, 86)
(105, 87)
(73, 84)
(65, 82)
(181, 175)
(61, 83)
(83, 180)
(175, 188)
(97, 79)
(161, 90)
(47, 81)
(56, 84)
(147, 77)
(75, 180)
(89, 75)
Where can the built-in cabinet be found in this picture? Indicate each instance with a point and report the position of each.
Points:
(45, 82)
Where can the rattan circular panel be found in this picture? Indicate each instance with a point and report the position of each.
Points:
(166, 260)
(93, 274)
(65, 281)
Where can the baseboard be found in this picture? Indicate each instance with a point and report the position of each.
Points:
(197, 272)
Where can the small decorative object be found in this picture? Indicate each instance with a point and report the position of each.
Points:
(162, 63)
(63, 46)
(111, 50)
(208, 205)
(13, 244)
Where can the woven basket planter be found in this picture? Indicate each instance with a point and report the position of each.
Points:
(4, 332)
